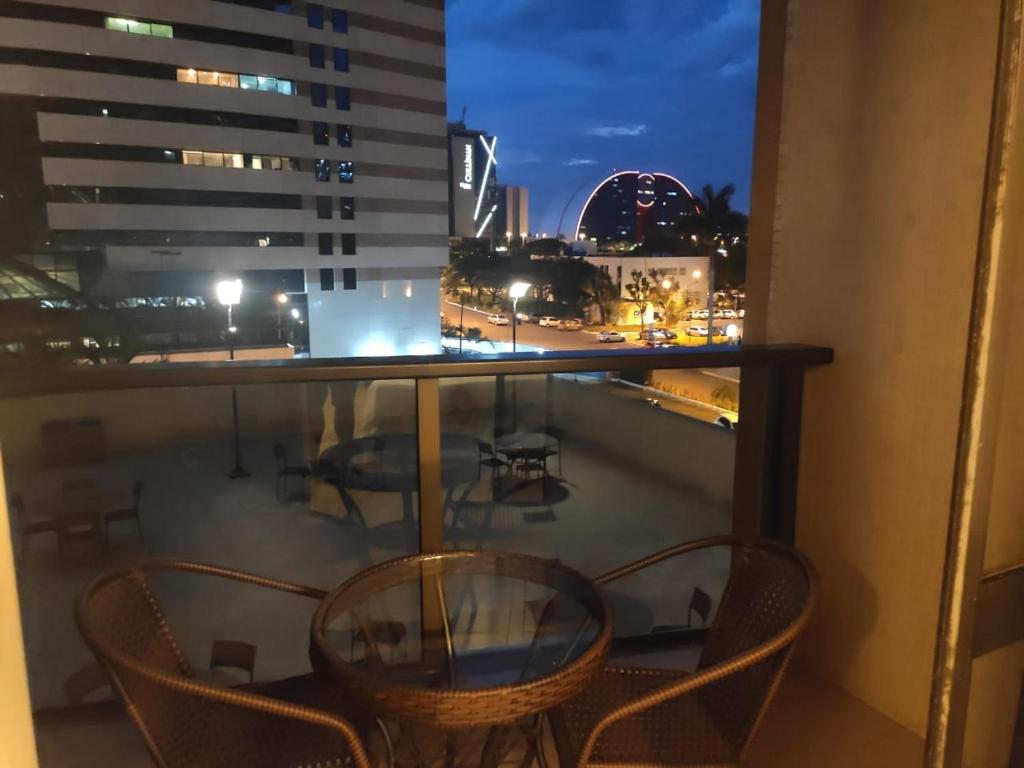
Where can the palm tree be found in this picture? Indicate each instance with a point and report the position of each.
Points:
(713, 228)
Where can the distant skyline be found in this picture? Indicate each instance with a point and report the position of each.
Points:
(576, 89)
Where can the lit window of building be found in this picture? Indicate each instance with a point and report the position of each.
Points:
(346, 171)
(237, 160)
(134, 27)
(233, 80)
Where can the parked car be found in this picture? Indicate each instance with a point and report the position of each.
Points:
(610, 337)
(653, 334)
(522, 317)
(729, 314)
(570, 324)
(719, 315)
(700, 314)
(702, 330)
(497, 320)
(548, 321)
(741, 313)
(670, 335)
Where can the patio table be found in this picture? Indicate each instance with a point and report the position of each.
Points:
(479, 653)
(390, 464)
(528, 447)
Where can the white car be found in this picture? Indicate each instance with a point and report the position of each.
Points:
(548, 321)
(497, 320)
(729, 314)
(610, 337)
(697, 330)
(570, 324)
(741, 313)
(700, 314)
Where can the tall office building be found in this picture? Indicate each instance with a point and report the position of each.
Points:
(513, 211)
(169, 143)
(473, 189)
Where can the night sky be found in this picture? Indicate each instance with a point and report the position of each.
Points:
(576, 89)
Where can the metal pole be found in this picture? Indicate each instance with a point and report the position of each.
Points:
(238, 471)
(711, 296)
(987, 359)
(515, 309)
(462, 319)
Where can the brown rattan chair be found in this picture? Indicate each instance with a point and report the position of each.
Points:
(647, 716)
(187, 723)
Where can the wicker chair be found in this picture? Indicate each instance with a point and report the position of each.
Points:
(646, 716)
(184, 722)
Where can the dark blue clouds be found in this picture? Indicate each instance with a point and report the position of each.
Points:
(577, 88)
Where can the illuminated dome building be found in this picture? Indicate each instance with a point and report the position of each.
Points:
(629, 206)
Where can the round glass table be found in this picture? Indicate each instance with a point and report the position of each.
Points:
(461, 639)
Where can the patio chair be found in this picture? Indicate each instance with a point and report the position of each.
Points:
(557, 434)
(234, 654)
(87, 684)
(646, 716)
(284, 470)
(81, 512)
(127, 513)
(186, 723)
(29, 527)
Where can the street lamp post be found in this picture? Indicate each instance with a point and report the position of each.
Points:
(711, 296)
(282, 299)
(229, 293)
(516, 291)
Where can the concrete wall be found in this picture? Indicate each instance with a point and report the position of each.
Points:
(378, 318)
(885, 111)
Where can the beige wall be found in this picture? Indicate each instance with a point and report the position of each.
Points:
(883, 136)
(17, 742)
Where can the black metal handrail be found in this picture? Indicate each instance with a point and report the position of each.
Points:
(37, 380)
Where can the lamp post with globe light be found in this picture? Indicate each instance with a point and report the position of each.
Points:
(281, 299)
(516, 291)
(229, 293)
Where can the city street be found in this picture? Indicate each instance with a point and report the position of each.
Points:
(697, 384)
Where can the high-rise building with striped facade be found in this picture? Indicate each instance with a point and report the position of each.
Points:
(181, 140)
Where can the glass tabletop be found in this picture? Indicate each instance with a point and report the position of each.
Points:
(462, 623)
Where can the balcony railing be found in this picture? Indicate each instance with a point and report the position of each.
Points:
(347, 462)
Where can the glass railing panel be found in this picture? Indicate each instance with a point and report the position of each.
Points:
(596, 470)
(102, 479)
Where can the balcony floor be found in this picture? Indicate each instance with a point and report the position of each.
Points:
(811, 724)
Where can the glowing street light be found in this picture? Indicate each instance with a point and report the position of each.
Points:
(516, 291)
(295, 313)
(282, 298)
